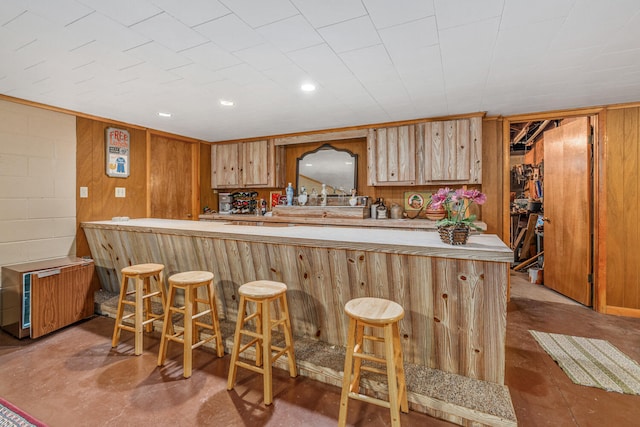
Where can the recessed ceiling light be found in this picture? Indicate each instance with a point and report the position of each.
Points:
(308, 87)
(226, 103)
(161, 114)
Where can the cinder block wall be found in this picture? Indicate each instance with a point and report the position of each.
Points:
(37, 183)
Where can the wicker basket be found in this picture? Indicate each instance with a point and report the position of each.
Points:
(454, 234)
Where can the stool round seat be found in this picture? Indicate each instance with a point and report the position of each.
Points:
(191, 277)
(262, 289)
(137, 269)
(374, 310)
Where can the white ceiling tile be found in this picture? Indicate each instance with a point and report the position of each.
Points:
(291, 34)
(370, 65)
(262, 12)
(263, 57)
(242, 74)
(385, 13)
(410, 36)
(520, 13)
(210, 56)
(61, 12)
(169, 32)
(12, 40)
(158, 55)
(461, 12)
(349, 35)
(230, 33)
(196, 11)
(126, 12)
(327, 12)
(103, 53)
(98, 27)
(45, 30)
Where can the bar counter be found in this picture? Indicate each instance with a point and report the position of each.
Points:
(454, 297)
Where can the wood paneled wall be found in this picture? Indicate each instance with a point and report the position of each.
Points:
(621, 187)
(91, 173)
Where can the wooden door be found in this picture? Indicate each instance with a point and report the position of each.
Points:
(567, 210)
(173, 179)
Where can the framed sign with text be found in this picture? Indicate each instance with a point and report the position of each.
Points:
(118, 142)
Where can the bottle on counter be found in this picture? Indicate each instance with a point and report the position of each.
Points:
(396, 211)
(263, 206)
(289, 193)
(381, 210)
(323, 195)
(313, 199)
(353, 200)
(302, 197)
(374, 209)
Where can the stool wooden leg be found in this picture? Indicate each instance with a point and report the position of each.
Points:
(391, 376)
(214, 319)
(233, 369)
(402, 385)
(259, 323)
(123, 293)
(346, 380)
(138, 316)
(357, 364)
(147, 303)
(288, 338)
(266, 353)
(167, 326)
(188, 336)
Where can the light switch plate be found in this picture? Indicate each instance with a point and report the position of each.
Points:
(120, 192)
(84, 192)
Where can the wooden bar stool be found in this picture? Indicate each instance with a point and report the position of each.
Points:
(190, 281)
(142, 313)
(374, 313)
(262, 293)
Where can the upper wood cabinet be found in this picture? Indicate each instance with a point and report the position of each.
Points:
(391, 156)
(450, 151)
(426, 153)
(252, 164)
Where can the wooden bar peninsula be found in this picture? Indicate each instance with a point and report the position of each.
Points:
(454, 297)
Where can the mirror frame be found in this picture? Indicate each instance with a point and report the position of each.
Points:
(328, 146)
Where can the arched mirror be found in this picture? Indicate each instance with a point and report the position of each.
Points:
(327, 165)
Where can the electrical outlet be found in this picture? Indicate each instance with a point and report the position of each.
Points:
(120, 192)
(84, 192)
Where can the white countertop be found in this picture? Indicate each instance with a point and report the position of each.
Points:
(480, 246)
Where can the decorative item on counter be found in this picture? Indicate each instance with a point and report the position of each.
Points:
(302, 197)
(455, 227)
(353, 201)
(434, 214)
(313, 199)
(289, 192)
(396, 211)
(323, 195)
(274, 196)
(381, 210)
(374, 209)
(263, 206)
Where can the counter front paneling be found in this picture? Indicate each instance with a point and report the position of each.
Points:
(454, 297)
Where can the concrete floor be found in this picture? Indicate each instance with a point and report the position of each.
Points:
(73, 378)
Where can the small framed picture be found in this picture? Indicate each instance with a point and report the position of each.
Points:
(274, 197)
(416, 200)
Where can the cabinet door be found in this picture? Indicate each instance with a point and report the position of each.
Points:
(450, 151)
(255, 164)
(225, 166)
(392, 156)
(60, 297)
